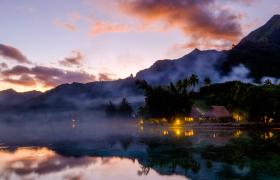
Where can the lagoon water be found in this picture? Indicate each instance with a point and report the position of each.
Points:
(84, 146)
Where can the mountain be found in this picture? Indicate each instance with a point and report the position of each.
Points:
(259, 51)
(96, 94)
(257, 55)
(202, 63)
(90, 95)
(10, 97)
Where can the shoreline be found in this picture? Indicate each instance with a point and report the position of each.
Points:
(224, 125)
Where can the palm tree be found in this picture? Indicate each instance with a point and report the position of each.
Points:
(193, 80)
(267, 82)
(207, 81)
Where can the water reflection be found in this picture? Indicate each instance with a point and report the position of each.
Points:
(43, 163)
(237, 133)
(126, 150)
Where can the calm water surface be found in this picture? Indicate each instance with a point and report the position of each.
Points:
(82, 146)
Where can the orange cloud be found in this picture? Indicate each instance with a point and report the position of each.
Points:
(100, 27)
(23, 80)
(200, 20)
(105, 77)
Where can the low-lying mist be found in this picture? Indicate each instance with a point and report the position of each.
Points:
(51, 128)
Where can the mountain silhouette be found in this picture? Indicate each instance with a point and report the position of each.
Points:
(259, 51)
(10, 98)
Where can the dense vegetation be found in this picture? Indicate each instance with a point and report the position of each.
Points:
(260, 103)
(255, 103)
(245, 152)
(168, 101)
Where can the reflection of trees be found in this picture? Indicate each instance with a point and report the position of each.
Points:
(167, 155)
(260, 153)
(254, 154)
(125, 142)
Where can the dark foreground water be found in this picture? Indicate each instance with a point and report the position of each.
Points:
(82, 146)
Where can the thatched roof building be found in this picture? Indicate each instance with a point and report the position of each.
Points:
(217, 112)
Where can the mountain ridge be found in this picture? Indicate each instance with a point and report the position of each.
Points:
(259, 51)
(10, 97)
(257, 55)
(166, 71)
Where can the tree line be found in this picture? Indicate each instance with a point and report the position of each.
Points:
(260, 103)
(123, 109)
(168, 101)
(257, 103)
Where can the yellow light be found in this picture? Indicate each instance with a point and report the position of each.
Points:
(189, 133)
(141, 122)
(237, 117)
(178, 132)
(268, 135)
(177, 122)
(237, 133)
(165, 132)
(189, 119)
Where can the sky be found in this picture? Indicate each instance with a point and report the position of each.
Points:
(47, 43)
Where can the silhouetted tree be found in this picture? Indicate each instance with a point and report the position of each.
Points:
(267, 82)
(193, 80)
(110, 109)
(167, 101)
(207, 81)
(124, 108)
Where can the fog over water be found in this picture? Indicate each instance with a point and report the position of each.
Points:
(85, 145)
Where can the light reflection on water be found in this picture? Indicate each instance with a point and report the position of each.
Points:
(42, 163)
(85, 148)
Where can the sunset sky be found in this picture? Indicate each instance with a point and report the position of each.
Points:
(47, 43)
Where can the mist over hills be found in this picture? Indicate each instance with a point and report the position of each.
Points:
(10, 97)
(257, 56)
(203, 63)
(259, 51)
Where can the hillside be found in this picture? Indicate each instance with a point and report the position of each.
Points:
(10, 98)
(202, 63)
(90, 95)
(259, 51)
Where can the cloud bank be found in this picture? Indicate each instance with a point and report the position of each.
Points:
(45, 76)
(197, 19)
